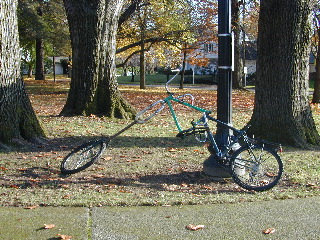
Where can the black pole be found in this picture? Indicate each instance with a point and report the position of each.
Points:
(224, 104)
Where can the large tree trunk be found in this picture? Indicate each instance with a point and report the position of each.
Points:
(17, 118)
(282, 110)
(93, 90)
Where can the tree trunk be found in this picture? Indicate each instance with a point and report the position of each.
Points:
(40, 73)
(17, 118)
(142, 49)
(30, 68)
(282, 111)
(316, 90)
(142, 67)
(93, 89)
(183, 70)
(238, 66)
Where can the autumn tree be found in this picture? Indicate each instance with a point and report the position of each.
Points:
(43, 31)
(157, 30)
(282, 110)
(93, 27)
(17, 118)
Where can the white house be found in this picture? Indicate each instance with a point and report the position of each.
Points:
(210, 51)
(58, 65)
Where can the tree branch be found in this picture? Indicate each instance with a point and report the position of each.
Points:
(134, 6)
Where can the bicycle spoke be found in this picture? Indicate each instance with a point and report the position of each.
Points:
(83, 157)
(256, 168)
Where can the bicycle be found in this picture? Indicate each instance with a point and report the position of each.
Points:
(255, 165)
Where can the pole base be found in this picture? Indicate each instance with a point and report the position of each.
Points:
(213, 169)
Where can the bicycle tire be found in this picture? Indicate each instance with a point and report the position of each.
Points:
(256, 167)
(83, 156)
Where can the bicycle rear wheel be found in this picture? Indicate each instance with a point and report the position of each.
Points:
(256, 167)
(83, 156)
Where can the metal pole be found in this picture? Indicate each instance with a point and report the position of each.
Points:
(225, 59)
(224, 104)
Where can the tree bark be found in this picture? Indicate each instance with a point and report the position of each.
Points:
(316, 90)
(238, 66)
(17, 118)
(40, 73)
(282, 111)
(93, 89)
(142, 67)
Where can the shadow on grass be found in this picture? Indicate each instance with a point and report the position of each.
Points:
(192, 181)
(48, 176)
(69, 143)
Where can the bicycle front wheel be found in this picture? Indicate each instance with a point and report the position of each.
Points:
(256, 167)
(83, 156)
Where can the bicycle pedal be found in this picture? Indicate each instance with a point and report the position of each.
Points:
(185, 133)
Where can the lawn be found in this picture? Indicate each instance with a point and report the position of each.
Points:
(146, 165)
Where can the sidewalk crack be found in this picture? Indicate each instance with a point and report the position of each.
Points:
(89, 224)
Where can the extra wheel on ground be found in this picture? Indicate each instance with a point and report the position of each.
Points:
(83, 157)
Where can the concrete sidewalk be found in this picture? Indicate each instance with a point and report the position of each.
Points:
(291, 219)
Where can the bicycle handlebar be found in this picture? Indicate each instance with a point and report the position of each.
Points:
(139, 114)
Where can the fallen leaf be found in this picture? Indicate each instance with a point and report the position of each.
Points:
(49, 226)
(172, 149)
(32, 207)
(269, 231)
(64, 237)
(125, 191)
(268, 174)
(147, 152)
(134, 160)
(194, 227)
(97, 175)
(3, 168)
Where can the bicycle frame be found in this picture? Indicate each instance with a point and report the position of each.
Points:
(171, 98)
(202, 121)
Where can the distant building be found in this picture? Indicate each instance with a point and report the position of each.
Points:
(250, 54)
